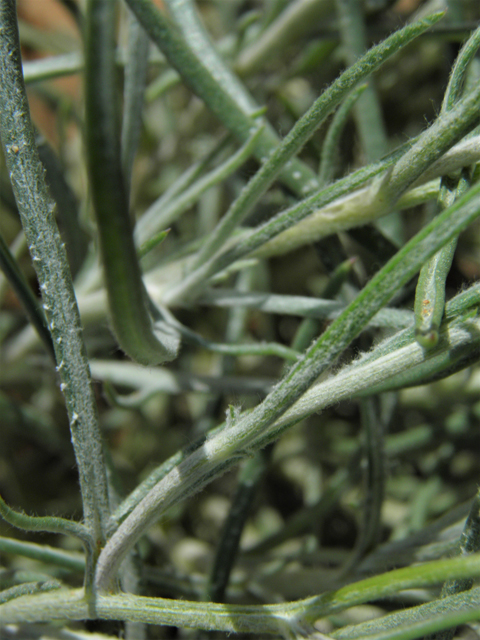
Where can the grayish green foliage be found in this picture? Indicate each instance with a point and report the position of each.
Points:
(248, 196)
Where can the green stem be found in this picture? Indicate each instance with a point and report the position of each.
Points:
(253, 430)
(374, 436)
(459, 72)
(52, 67)
(49, 259)
(45, 523)
(414, 622)
(126, 294)
(430, 293)
(258, 619)
(448, 129)
(260, 349)
(28, 588)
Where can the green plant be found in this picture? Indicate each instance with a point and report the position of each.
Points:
(161, 292)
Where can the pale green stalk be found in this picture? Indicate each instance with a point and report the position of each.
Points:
(254, 349)
(365, 377)
(64, 65)
(419, 195)
(279, 619)
(49, 259)
(315, 218)
(430, 291)
(254, 429)
(46, 523)
(53, 525)
(447, 129)
(161, 85)
(458, 76)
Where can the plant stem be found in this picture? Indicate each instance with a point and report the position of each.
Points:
(52, 67)
(28, 588)
(260, 619)
(430, 294)
(253, 430)
(126, 294)
(430, 291)
(49, 259)
(45, 523)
